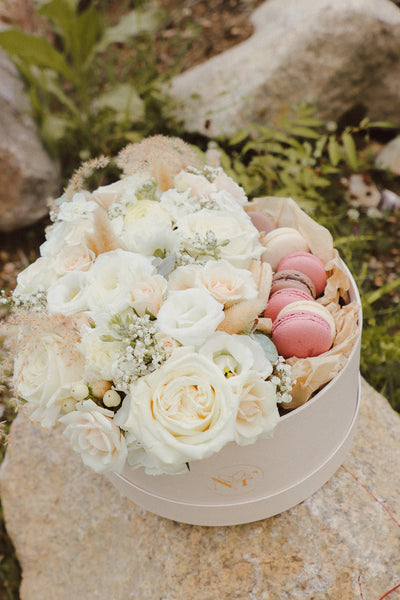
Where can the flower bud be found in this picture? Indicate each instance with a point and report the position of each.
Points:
(111, 399)
(100, 387)
(79, 391)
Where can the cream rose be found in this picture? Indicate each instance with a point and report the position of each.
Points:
(44, 370)
(77, 257)
(258, 414)
(100, 355)
(93, 434)
(37, 276)
(182, 412)
(190, 316)
(236, 235)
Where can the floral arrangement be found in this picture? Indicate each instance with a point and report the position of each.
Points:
(139, 327)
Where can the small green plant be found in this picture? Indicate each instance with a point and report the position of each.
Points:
(88, 95)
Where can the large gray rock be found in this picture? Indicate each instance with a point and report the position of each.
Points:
(335, 55)
(28, 177)
(78, 539)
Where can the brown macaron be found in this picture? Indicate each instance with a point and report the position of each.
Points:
(290, 278)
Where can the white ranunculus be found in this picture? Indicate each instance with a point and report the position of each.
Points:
(236, 235)
(93, 434)
(190, 316)
(119, 279)
(68, 295)
(76, 257)
(100, 355)
(182, 412)
(43, 374)
(146, 209)
(37, 276)
(258, 414)
(235, 357)
(79, 208)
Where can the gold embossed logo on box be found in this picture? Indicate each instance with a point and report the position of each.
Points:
(235, 480)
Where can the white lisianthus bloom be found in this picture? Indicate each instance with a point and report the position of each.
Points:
(120, 279)
(224, 183)
(37, 276)
(182, 412)
(64, 233)
(150, 237)
(143, 209)
(190, 316)
(236, 235)
(80, 207)
(178, 204)
(258, 413)
(198, 185)
(43, 373)
(120, 191)
(76, 257)
(235, 357)
(68, 295)
(93, 434)
(100, 355)
(222, 200)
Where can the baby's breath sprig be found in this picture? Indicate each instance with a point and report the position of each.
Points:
(281, 377)
(143, 352)
(197, 248)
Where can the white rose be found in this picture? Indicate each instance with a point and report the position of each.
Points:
(120, 279)
(68, 295)
(258, 414)
(182, 412)
(236, 356)
(77, 257)
(37, 276)
(44, 371)
(236, 235)
(92, 433)
(190, 316)
(99, 354)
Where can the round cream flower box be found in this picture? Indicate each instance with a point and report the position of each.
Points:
(241, 484)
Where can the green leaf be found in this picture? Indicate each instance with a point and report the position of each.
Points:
(130, 25)
(334, 150)
(34, 50)
(350, 150)
(385, 289)
(305, 132)
(124, 101)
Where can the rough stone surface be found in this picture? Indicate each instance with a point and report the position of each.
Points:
(77, 538)
(336, 55)
(28, 177)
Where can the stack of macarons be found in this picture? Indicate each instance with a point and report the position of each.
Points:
(301, 326)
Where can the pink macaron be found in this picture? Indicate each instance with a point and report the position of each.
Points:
(306, 263)
(303, 329)
(292, 279)
(278, 300)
